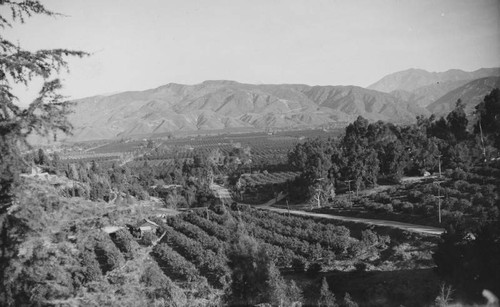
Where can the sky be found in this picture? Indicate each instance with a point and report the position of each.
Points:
(137, 45)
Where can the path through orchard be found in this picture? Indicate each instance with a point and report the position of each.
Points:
(428, 230)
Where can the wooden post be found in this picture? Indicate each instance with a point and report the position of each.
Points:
(439, 200)
(349, 183)
(439, 160)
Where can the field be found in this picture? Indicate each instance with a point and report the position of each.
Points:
(195, 247)
(268, 150)
(469, 195)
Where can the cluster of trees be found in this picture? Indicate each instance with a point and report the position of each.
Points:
(468, 258)
(471, 196)
(186, 184)
(212, 265)
(196, 233)
(372, 151)
(45, 115)
(243, 266)
(256, 279)
(310, 241)
(467, 154)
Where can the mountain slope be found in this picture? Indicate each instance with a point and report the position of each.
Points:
(228, 104)
(413, 79)
(471, 94)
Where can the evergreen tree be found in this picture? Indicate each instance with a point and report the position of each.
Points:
(348, 301)
(488, 117)
(45, 115)
(326, 297)
(277, 288)
(294, 294)
(457, 122)
(250, 264)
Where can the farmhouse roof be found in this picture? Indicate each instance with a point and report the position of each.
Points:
(111, 229)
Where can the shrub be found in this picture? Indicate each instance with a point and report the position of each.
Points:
(341, 203)
(415, 196)
(396, 204)
(462, 205)
(125, 243)
(91, 269)
(314, 269)
(365, 202)
(148, 238)
(383, 198)
(299, 264)
(387, 208)
(360, 267)
(458, 174)
(407, 207)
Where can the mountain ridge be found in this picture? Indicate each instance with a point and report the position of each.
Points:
(220, 104)
(412, 79)
(471, 93)
(227, 104)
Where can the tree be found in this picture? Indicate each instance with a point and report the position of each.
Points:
(488, 117)
(469, 259)
(348, 301)
(326, 297)
(45, 115)
(277, 288)
(250, 270)
(457, 121)
(294, 294)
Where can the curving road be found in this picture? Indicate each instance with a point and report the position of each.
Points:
(428, 230)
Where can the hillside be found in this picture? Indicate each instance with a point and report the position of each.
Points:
(413, 80)
(223, 105)
(229, 104)
(471, 93)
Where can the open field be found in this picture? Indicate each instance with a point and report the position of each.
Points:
(299, 245)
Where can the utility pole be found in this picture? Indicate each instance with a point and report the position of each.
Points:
(439, 199)
(349, 183)
(482, 139)
(439, 160)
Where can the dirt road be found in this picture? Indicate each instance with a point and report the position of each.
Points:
(429, 230)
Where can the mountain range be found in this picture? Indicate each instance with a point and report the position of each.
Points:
(228, 105)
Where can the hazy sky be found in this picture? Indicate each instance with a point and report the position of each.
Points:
(144, 44)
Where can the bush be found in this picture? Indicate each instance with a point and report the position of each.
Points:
(458, 174)
(314, 269)
(360, 267)
(383, 198)
(299, 264)
(415, 196)
(462, 205)
(148, 238)
(396, 204)
(125, 243)
(341, 203)
(387, 208)
(380, 208)
(407, 207)
(365, 202)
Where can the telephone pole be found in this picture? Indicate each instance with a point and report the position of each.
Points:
(439, 199)
(349, 183)
(439, 160)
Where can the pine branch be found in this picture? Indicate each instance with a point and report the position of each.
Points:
(21, 9)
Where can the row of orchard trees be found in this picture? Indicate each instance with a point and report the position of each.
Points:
(371, 151)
